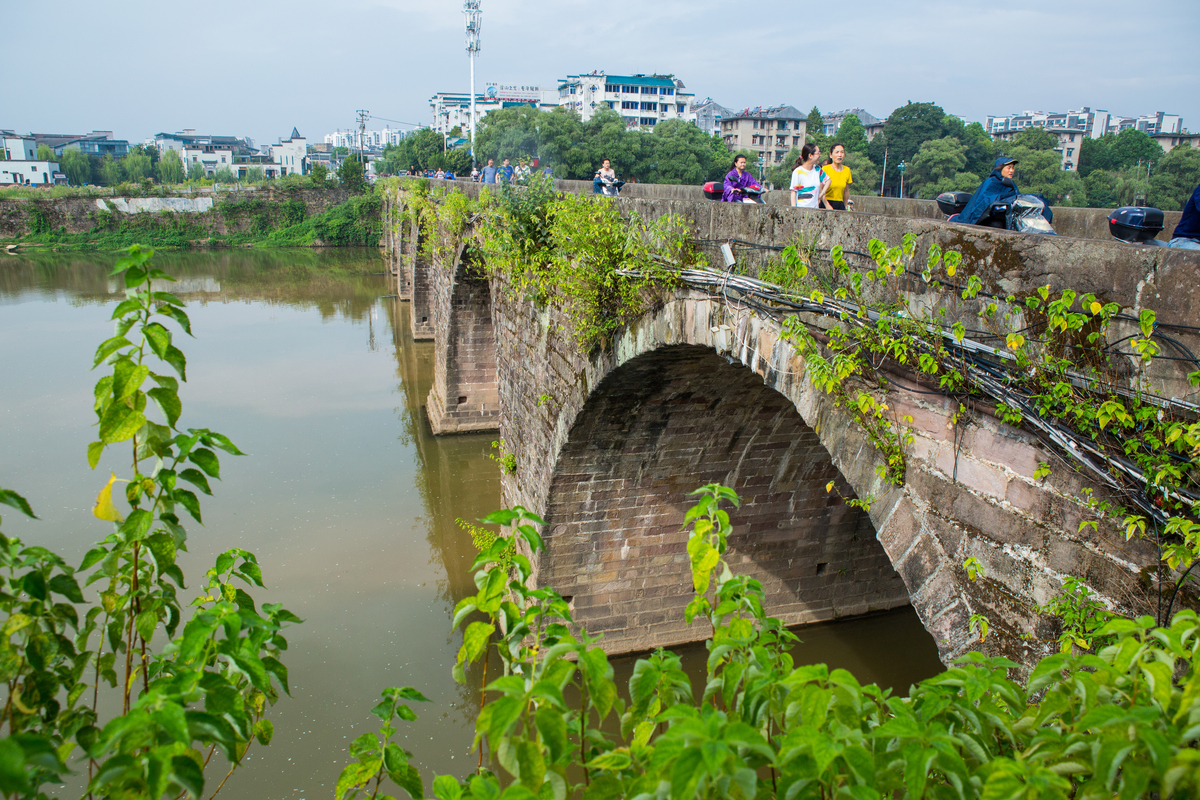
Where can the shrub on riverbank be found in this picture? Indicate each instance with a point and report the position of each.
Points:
(243, 220)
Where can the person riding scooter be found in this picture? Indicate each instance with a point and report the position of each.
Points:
(739, 184)
(998, 187)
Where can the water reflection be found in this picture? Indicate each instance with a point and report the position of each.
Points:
(347, 499)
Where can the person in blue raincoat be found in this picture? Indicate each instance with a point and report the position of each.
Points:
(998, 187)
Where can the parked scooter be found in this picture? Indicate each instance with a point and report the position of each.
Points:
(1136, 225)
(608, 186)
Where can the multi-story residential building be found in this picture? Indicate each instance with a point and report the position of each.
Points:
(371, 141)
(96, 143)
(707, 115)
(642, 100)
(1070, 143)
(1094, 123)
(768, 132)
(871, 124)
(1169, 141)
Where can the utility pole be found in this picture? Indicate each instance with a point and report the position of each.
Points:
(474, 26)
(883, 180)
(362, 136)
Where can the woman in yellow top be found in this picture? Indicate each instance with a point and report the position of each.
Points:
(837, 198)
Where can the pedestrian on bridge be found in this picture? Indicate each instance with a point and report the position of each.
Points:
(489, 172)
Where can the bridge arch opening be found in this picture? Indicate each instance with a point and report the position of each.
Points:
(654, 429)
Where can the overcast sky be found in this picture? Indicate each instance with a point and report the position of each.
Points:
(258, 67)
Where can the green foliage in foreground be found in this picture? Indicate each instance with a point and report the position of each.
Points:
(1120, 723)
(186, 685)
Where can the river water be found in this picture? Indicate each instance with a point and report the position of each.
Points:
(348, 501)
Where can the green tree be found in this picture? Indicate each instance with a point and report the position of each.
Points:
(685, 154)
(1035, 139)
(981, 149)
(906, 129)
(936, 167)
(111, 172)
(137, 166)
(77, 166)
(196, 170)
(1095, 154)
(170, 167)
(1102, 188)
(814, 129)
(561, 145)
(852, 134)
(1132, 147)
(45, 153)
(350, 175)
(224, 175)
(864, 172)
(318, 175)
(1175, 177)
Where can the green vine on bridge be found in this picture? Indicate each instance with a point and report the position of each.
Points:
(1050, 362)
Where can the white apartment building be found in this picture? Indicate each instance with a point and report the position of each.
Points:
(642, 100)
(1094, 123)
(369, 140)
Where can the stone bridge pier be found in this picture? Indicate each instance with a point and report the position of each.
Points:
(608, 445)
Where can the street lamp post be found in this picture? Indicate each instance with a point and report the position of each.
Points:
(902, 166)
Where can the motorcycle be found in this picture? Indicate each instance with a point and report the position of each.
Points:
(1136, 225)
(1027, 213)
(715, 190)
(606, 185)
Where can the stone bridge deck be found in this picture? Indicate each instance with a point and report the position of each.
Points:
(608, 444)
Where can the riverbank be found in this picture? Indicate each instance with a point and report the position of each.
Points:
(255, 218)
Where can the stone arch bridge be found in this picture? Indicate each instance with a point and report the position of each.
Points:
(608, 445)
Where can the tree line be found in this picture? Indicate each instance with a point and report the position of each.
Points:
(940, 152)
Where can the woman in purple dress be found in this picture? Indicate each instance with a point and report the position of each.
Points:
(737, 181)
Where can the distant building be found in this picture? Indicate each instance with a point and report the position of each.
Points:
(768, 132)
(453, 109)
(96, 143)
(707, 114)
(17, 148)
(871, 124)
(291, 154)
(1169, 141)
(197, 142)
(1094, 123)
(642, 100)
(19, 165)
(1070, 144)
(371, 141)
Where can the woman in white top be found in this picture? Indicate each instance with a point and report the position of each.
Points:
(808, 181)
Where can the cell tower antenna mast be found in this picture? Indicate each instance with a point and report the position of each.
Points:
(474, 14)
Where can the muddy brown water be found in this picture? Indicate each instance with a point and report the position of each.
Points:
(348, 501)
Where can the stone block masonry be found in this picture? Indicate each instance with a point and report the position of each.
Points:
(652, 431)
(608, 445)
(465, 396)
